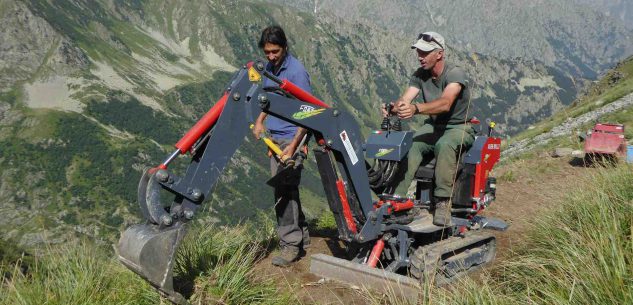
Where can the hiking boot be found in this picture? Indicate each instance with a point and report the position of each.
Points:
(286, 257)
(442, 213)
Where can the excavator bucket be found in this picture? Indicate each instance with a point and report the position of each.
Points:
(150, 251)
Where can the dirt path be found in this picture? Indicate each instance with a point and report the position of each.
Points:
(308, 288)
(526, 189)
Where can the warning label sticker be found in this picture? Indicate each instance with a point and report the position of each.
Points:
(348, 147)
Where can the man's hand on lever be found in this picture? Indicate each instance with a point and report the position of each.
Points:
(386, 111)
(258, 127)
(405, 110)
(290, 150)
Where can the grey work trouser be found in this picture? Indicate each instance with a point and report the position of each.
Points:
(291, 224)
(446, 141)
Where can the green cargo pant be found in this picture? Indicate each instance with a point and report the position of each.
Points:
(447, 142)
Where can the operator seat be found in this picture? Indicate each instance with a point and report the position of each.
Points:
(425, 177)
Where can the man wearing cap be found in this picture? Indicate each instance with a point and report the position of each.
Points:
(444, 92)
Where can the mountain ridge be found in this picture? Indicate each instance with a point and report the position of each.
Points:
(134, 76)
(554, 32)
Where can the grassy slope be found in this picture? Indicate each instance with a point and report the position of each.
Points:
(615, 84)
(213, 267)
(580, 252)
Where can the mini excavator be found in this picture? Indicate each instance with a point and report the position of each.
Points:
(392, 242)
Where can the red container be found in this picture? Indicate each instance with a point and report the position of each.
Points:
(606, 139)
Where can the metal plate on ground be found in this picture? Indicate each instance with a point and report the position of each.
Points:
(363, 276)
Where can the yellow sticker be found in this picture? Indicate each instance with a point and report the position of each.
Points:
(253, 75)
(383, 152)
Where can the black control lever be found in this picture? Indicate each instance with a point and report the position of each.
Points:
(386, 122)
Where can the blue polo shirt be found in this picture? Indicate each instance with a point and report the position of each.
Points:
(292, 70)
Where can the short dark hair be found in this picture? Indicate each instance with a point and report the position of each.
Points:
(275, 35)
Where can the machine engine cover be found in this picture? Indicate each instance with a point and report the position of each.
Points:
(388, 145)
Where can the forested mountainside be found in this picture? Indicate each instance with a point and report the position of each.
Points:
(91, 92)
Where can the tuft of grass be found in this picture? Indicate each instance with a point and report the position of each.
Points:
(74, 273)
(325, 222)
(216, 266)
(213, 266)
(508, 176)
(582, 252)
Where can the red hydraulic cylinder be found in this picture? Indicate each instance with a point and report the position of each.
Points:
(347, 212)
(375, 253)
(402, 206)
(206, 122)
(396, 206)
(301, 94)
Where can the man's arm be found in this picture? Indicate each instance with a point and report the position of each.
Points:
(302, 80)
(441, 105)
(259, 128)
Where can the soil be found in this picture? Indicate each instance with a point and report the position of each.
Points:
(309, 288)
(525, 191)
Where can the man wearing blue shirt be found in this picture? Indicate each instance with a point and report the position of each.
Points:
(291, 225)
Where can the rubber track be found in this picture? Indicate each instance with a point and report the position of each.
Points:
(426, 259)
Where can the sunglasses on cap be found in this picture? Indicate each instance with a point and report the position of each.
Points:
(429, 38)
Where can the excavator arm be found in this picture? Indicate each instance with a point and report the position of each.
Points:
(149, 249)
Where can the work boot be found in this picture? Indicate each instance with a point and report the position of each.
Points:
(286, 256)
(442, 213)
